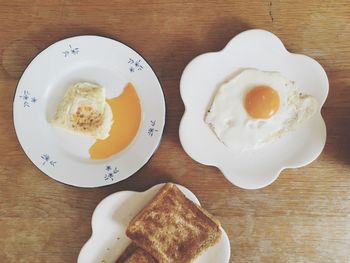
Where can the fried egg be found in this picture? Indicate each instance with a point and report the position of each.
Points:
(83, 110)
(127, 114)
(257, 107)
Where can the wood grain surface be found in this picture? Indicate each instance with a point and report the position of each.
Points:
(302, 217)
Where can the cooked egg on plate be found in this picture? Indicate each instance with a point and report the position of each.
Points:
(114, 123)
(95, 117)
(257, 107)
(265, 118)
(126, 110)
(83, 110)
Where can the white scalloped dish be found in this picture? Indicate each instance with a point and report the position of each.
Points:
(261, 50)
(111, 218)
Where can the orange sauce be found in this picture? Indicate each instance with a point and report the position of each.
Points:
(126, 111)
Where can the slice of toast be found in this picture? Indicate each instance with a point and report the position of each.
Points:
(172, 228)
(135, 254)
(140, 256)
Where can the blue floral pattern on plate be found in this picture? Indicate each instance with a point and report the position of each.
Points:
(27, 99)
(33, 99)
(71, 51)
(110, 173)
(135, 65)
(152, 130)
(46, 159)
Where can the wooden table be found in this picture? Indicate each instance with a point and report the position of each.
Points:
(303, 217)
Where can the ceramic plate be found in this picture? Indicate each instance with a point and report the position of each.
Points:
(111, 218)
(261, 50)
(62, 155)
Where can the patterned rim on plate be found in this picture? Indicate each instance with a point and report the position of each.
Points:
(43, 80)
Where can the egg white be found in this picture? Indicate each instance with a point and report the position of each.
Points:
(79, 95)
(228, 118)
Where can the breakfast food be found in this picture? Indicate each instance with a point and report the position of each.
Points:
(126, 110)
(140, 256)
(171, 228)
(135, 254)
(256, 107)
(83, 110)
(114, 122)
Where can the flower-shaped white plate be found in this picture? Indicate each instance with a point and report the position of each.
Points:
(111, 218)
(62, 155)
(262, 50)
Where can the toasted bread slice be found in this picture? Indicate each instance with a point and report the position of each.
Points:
(172, 228)
(135, 254)
(130, 249)
(140, 256)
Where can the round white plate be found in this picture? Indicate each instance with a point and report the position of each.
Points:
(261, 50)
(62, 155)
(111, 218)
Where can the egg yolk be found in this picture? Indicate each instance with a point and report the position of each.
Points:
(126, 111)
(262, 102)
